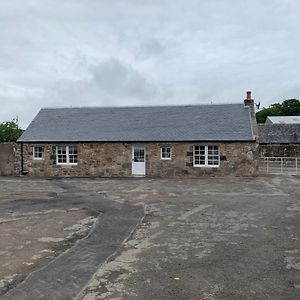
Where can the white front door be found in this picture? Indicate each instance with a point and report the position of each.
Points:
(138, 160)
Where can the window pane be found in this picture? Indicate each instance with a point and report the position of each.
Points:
(61, 158)
(166, 152)
(213, 155)
(138, 155)
(72, 154)
(202, 160)
(38, 151)
(199, 158)
(206, 155)
(72, 150)
(61, 150)
(62, 154)
(73, 159)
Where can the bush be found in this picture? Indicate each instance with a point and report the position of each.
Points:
(10, 131)
(290, 107)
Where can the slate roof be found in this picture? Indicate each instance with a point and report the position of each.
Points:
(279, 133)
(283, 120)
(223, 122)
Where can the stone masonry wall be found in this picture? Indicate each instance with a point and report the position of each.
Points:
(94, 159)
(237, 159)
(114, 160)
(277, 150)
(9, 158)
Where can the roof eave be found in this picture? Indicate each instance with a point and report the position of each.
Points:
(136, 141)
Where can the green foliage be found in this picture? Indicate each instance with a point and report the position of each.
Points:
(10, 131)
(290, 107)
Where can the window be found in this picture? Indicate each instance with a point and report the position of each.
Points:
(66, 155)
(166, 153)
(206, 156)
(38, 152)
(72, 154)
(138, 154)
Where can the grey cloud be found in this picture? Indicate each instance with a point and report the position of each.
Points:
(120, 80)
(90, 52)
(150, 47)
(109, 83)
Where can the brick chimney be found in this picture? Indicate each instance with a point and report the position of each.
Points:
(248, 101)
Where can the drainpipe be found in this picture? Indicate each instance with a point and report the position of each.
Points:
(22, 161)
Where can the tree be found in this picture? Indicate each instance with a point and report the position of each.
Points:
(10, 131)
(289, 107)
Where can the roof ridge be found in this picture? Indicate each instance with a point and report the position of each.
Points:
(146, 106)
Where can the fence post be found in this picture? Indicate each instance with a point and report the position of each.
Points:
(267, 164)
(296, 165)
(281, 165)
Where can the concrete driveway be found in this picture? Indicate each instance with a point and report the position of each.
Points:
(199, 239)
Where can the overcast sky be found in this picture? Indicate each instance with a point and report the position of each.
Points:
(145, 52)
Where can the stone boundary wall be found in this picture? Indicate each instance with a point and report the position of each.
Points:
(114, 160)
(279, 150)
(10, 159)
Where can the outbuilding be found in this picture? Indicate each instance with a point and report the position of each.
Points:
(279, 140)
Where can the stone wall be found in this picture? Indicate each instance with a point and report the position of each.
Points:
(237, 159)
(279, 150)
(114, 160)
(9, 158)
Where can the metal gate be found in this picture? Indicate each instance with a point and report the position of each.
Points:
(279, 165)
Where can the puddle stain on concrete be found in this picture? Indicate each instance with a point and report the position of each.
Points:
(292, 259)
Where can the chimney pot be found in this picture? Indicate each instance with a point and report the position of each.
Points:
(249, 95)
(248, 101)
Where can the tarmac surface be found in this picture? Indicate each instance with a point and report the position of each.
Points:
(66, 275)
(216, 238)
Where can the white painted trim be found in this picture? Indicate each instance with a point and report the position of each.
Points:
(206, 165)
(33, 153)
(138, 168)
(67, 164)
(67, 155)
(165, 158)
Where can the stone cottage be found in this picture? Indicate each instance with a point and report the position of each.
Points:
(158, 141)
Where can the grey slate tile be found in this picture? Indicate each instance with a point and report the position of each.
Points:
(279, 133)
(222, 122)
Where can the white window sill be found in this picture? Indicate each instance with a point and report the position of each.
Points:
(67, 164)
(166, 158)
(206, 166)
(38, 159)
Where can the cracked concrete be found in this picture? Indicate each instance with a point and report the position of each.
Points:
(200, 239)
(207, 239)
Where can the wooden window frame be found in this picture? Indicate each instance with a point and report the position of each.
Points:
(34, 152)
(67, 155)
(206, 156)
(161, 153)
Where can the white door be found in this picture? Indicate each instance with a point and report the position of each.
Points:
(138, 160)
